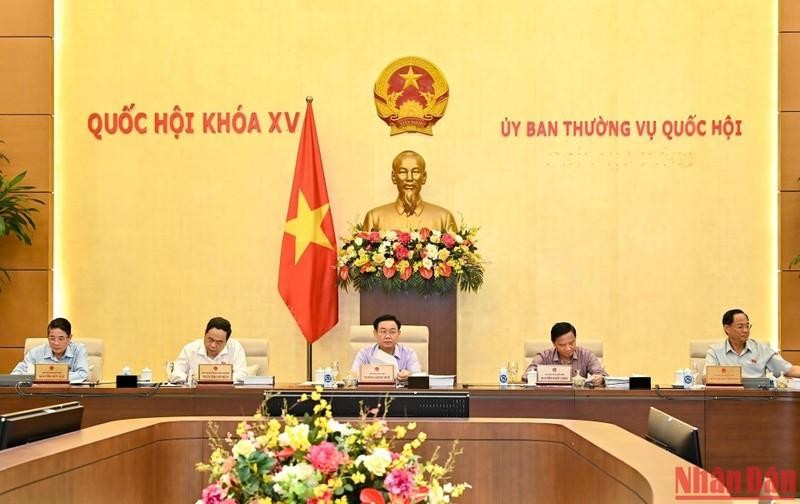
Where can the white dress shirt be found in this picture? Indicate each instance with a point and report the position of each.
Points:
(195, 353)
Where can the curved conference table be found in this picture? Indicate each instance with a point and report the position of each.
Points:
(505, 460)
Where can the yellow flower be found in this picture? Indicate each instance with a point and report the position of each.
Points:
(400, 432)
(296, 437)
(341, 500)
(378, 258)
(359, 478)
(303, 397)
(320, 490)
(412, 425)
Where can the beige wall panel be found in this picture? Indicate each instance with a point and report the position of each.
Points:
(31, 18)
(790, 15)
(29, 147)
(789, 73)
(789, 151)
(27, 83)
(9, 357)
(789, 312)
(24, 306)
(15, 254)
(789, 229)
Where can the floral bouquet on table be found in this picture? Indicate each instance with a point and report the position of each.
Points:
(316, 460)
(420, 260)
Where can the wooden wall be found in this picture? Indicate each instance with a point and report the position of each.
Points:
(26, 126)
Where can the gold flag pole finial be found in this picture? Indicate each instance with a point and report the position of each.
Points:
(309, 99)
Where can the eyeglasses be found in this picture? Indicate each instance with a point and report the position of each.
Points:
(384, 332)
(57, 339)
(743, 326)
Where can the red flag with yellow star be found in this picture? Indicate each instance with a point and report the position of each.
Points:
(307, 275)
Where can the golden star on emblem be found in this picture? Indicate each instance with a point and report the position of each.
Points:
(307, 226)
(411, 78)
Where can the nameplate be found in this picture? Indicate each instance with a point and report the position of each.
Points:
(376, 374)
(554, 374)
(51, 373)
(215, 373)
(723, 375)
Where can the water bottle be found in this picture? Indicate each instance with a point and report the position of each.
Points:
(503, 377)
(327, 378)
(687, 378)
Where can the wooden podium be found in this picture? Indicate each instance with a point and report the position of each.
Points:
(436, 312)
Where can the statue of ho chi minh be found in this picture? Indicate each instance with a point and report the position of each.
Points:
(409, 211)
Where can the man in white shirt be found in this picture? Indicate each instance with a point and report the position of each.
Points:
(739, 349)
(216, 347)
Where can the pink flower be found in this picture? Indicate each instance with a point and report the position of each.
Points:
(426, 273)
(448, 240)
(325, 457)
(344, 271)
(401, 252)
(399, 482)
(424, 234)
(404, 237)
(213, 494)
(374, 236)
(389, 272)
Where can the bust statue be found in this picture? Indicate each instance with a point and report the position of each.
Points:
(409, 211)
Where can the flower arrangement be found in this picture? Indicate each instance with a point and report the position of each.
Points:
(421, 260)
(315, 459)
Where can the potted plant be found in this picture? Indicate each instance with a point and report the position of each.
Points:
(16, 210)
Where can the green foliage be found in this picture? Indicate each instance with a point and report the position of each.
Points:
(16, 210)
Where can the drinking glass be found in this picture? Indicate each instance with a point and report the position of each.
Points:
(335, 370)
(513, 369)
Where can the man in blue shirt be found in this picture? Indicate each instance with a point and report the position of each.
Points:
(59, 349)
(386, 330)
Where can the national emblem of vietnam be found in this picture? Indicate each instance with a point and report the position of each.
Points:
(411, 95)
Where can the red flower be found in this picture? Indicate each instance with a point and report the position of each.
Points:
(404, 237)
(285, 453)
(406, 274)
(426, 273)
(424, 234)
(448, 240)
(371, 496)
(389, 272)
(363, 235)
(401, 252)
(374, 236)
(343, 271)
(445, 269)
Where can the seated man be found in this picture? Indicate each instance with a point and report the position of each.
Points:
(59, 349)
(565, 351)
(386, 330)
(216, 347)
(739, 350)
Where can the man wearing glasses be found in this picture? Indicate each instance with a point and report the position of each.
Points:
(739, 350)
(59, 349)
(386, 330)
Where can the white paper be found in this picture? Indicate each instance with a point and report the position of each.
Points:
(381, 357)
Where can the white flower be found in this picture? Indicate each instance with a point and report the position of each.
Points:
(391, 235)
(415, 235)
(358, 241)
(377, 462)
(389, 262)
(244, 448)
(383, 248)
(432, 251)
(459, 238)
(342, 428)
(427, 263)
(300, 472)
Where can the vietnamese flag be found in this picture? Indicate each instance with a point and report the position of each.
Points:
(307, 275)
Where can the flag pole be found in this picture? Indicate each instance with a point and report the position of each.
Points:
(309, 376)
(309, 370)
